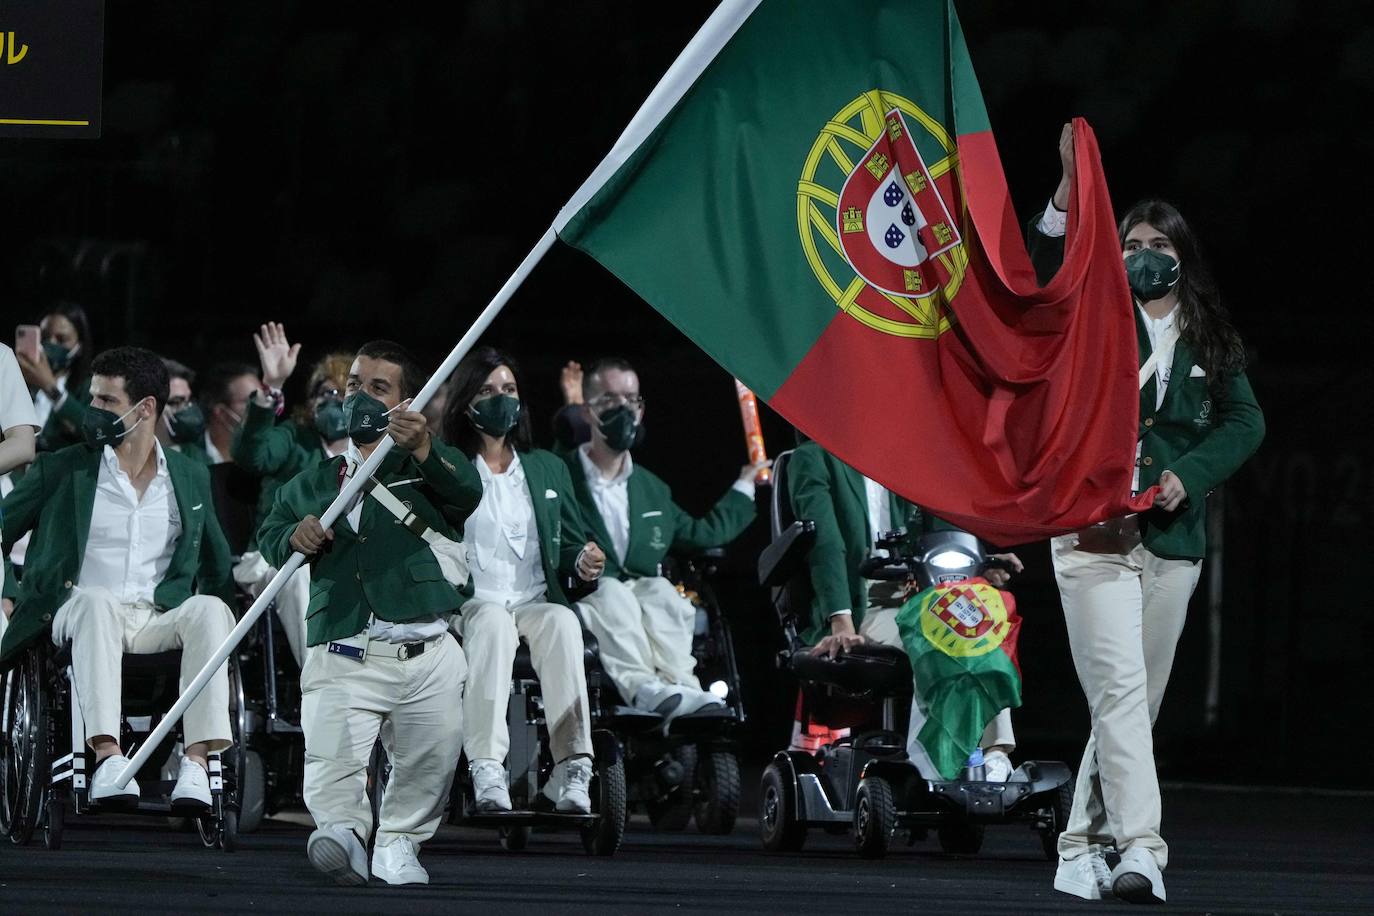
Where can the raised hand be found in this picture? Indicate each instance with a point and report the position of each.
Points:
(276, 354)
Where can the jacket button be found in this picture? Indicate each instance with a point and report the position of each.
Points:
(1149, 421)
(362, 539)
(47, 617)
(358, 576)
(67, 584)
(1148, 461)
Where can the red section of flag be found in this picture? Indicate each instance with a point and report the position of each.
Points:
(1020, 422)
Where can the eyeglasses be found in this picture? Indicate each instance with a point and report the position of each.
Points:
(610, 399)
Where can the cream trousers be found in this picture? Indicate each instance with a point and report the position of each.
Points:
(414, 705)
(1124, 612)
(644, 629)
(491, 634)
(101, 629)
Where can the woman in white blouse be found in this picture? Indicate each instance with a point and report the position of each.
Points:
(524, 539)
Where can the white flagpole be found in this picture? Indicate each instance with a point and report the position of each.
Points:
(671, 87)
(350, 489)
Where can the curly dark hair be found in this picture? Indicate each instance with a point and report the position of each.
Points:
(467, 380)
(143, 372)
(1204, 321)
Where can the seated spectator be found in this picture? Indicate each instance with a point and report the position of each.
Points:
(225, 391)
(183, 422)
(58, 378)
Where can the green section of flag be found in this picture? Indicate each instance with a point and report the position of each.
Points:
(959, 695)
(702, 220)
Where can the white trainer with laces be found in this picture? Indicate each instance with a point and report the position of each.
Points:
(397, 863)
(574, 786)
(489, 785)
(1137, 878)
(996, 766)
(1086, 876)
(338, 853)
(193, 786)
(103, 788)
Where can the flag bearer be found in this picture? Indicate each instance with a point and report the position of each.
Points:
(1125, 584)
(380, 659)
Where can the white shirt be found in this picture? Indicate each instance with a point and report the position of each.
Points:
(131, 540)
(502, 540)
(879, 518)
(611, 496)
(216, 457)
(43, 406)
(16, 407)
(385, 630)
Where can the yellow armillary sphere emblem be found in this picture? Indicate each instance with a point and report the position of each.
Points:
(874, 219)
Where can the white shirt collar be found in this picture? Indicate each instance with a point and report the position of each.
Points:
(1161, 323)
(112, 460)
(593, 473)
(515, 473)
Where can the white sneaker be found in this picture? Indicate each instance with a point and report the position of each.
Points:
(1137, 878)
(1086, 876)
(396, 863)
(694, 699)
(489, 785)
(103, 788)
(338, 853)
(996, 766)
(574, 785)
(193, 786)
(659, 697)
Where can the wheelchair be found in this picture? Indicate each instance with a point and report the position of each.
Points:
(690, 770)
(45, 763)
(852, 772)
(268, 692)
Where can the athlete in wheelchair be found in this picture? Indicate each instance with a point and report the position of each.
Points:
(851, 765)
(654, 614)
(122, 601)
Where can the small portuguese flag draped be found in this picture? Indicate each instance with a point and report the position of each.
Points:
(813, 196)
(961, 639)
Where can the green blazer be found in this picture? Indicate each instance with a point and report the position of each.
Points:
(55, 500)
(657, 524)
(274, 451)
(825, 490)
(382, 568)
(63, 427)
(1203, 431)
(557, 517)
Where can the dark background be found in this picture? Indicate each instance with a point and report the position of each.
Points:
(360, 170)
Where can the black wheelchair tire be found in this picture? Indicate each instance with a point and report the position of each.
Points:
(252, 791)
(609, 795)
(875, 817)
(24, 748)
(779, 827)
(1061, 803)
(55, 821)
(675, 812)
(717, 793)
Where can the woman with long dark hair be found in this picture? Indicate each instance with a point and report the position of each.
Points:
(60, 378)
(524, 538)
(1125, 584)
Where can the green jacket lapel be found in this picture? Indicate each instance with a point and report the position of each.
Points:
(583, 490)
(536, 483)
(1178, 372)
(181, 490)
(1148, 391)
(859, 497)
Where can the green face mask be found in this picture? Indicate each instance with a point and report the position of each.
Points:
(496, 415)
(1151, 274)
(101, 427)
(620, 426)
(330, 421)
(365, 417)
(187, 425)
(59, 357)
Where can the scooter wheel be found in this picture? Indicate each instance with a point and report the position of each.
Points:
(779, 827)
(875, 817)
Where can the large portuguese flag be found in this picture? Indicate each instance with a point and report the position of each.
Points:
(812, 194)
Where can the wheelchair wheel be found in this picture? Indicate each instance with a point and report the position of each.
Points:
(23, 748)
(875, 817)
(603, 837)
(514, 839)
(779, 827)
(675, 812)
(718, 788)
(961, 837)
(229, 830)
(252, 789)
(56, 820)
(1061, 803)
